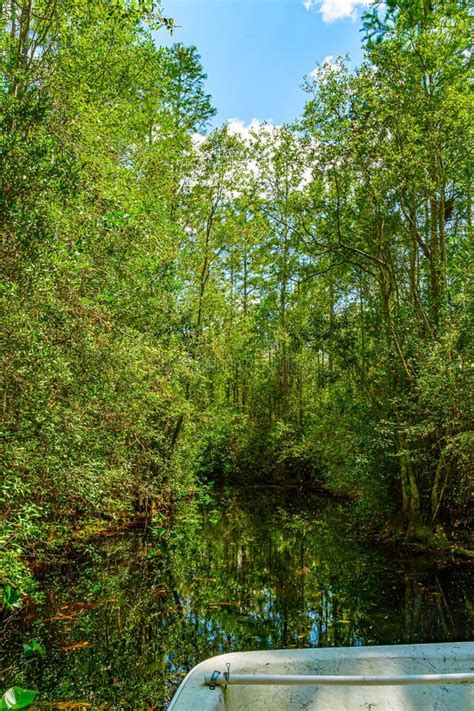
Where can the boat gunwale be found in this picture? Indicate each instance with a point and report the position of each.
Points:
(423, 651)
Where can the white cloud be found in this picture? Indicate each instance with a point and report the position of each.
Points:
(198, 139)
(236, 127)
(329, 62)
(333, 10)
(306, 178)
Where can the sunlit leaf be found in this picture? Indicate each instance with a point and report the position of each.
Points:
(11, 598)
(17, 698)
(33, 649)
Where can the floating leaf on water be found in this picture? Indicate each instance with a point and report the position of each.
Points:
(61, 616)
(17, 698)
(77, 645)
(78, 606)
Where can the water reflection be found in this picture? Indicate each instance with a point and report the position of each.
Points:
(263, 570)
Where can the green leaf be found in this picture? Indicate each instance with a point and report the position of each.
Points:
(153, 552)
(17, 698)
(34, 649)
(11, 598)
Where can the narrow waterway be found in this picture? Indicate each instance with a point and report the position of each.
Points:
(125, 618)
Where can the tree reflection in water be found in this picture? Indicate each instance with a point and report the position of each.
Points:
(123, 622)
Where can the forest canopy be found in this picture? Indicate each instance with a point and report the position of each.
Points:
(281, 303)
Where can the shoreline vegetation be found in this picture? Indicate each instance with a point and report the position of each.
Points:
(264, 305)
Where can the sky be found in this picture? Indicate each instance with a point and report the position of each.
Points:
(256, 52)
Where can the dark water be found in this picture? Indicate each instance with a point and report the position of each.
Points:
(127, 617)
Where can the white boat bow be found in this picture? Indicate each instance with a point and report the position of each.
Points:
(414, 677)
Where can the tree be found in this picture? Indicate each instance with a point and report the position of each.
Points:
(184, 96)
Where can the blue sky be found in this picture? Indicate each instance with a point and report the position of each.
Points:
(256, 52)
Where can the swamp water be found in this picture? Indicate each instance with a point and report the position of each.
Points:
(126, 617)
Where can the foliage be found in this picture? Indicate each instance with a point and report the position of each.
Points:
(17, 698)
(34, 648)
(345, 262)
(96, 358)
(11, 599)
(289, 303)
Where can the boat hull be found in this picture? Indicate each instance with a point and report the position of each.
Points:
(387, 661)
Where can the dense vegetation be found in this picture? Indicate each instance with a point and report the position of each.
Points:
(279, 302)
